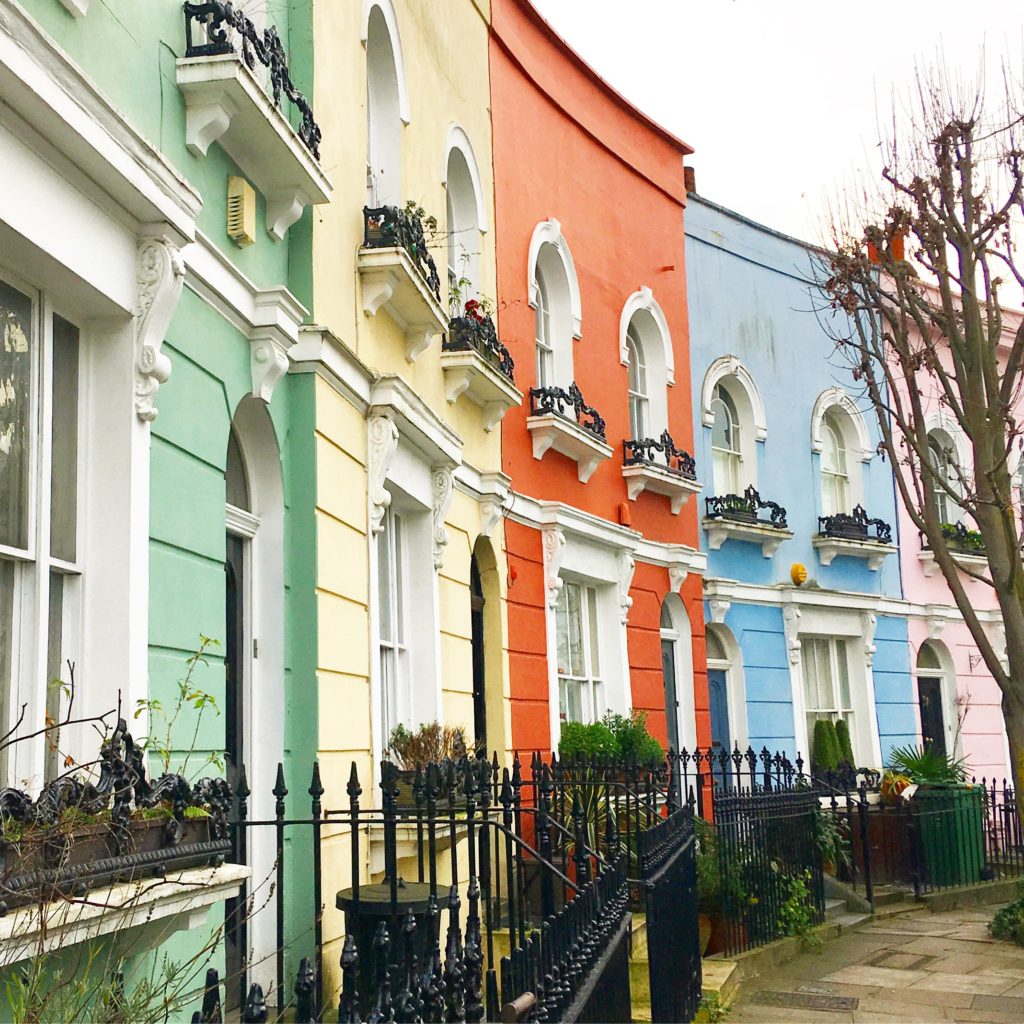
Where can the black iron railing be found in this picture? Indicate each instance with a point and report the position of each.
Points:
(220, 22)
(637, 452)
(561, 401)
(388, 226)
(959, 539)
(855, 526)
(744, 508)
(477, 333)
(78, 835)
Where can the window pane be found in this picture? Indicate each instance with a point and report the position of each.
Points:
(574, 617)
(16, 339)
(64, 443)
(595, 663)
(843, 666)
(570, 699)
(384, 560)
(826, 684)
(236, 486)
(54, 672)
(6, 653)
(398, 576)
(562, 631)
(721, 428)
(810, 670)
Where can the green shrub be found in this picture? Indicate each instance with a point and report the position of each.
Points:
(825, 751)
(1009, 921)
(845, 746)
(632, 739)
(593, 740)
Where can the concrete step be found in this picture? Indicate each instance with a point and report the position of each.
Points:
(722, 977)
(850, 919)
(638, 948)
(833, 908)
(888, 894)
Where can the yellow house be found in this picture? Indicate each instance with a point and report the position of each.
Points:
(410, 495)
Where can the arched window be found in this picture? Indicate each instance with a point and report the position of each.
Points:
(726, 454)
(943, 458)
(554, 295)
(466, 221)
(835, 474)
(383, 110)
(639, 416)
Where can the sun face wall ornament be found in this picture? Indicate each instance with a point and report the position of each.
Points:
(798, 573)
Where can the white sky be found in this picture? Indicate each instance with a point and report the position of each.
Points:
(779, 97)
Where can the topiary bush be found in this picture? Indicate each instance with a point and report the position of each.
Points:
(845, 746)
(593, 740)
(825, 749)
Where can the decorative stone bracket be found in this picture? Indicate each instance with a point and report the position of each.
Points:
(626, 568)
(492, 501)
(719, 608)
(277, 317)
(160, 271)
(791, 626)
(382, 444)
(76, 8)
(442, 492)
(554, 552)
(869, 623)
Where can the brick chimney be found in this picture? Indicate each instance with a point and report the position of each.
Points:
(690, 179)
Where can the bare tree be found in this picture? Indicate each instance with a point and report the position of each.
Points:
(915, 277)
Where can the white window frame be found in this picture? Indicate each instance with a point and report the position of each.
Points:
(34, 565)
(590, 680)
(838, 655)
(545, 348)
(944, 454)
(835, 470)
(550, 261)
(727, 463)
(393, 652)
(729, 376)
(636, 378)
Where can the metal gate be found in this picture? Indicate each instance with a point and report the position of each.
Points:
(668, 870)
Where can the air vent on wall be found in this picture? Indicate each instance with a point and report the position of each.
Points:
(241, 212)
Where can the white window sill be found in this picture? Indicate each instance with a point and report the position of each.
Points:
(975, 563)
(143, 913)
(720, 530)
(225, 103)
(77, 8)
(873, 552)
(561, 434)
(648, 476)
(469, 373)
(392, 282)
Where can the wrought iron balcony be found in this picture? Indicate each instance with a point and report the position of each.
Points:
(660, 467)
(851, 535)
(221, 22)
(966, 546)
(545, 401)
(561, 419)
(385, 227)
(744, 508)
(736, 516)
(647, 450)
(855, 527)
(476, 332)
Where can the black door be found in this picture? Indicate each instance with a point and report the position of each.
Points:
(476, 614)
(668, 670)
(235, 938)
(933, 726)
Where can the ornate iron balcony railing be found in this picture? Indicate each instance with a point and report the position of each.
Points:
(219, 20)
(544, 401)
(855, 526)
(387, 226)
(743, 508)
(960, 539)
(477, 332)
(636, 452)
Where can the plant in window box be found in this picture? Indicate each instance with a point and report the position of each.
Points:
(413, 752)
(962, 540)
(108, 821)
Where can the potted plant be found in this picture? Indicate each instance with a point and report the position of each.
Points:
(722, 897)
(832, 840)
(430, 744)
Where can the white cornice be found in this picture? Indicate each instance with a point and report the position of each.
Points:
(53, 94)
(321, 351)
(418, 424)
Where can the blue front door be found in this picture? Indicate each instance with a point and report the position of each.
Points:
(719, 702)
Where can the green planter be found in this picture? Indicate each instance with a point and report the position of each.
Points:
(950, 822)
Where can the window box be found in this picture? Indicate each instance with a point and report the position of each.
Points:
(736, 516)
(398, 274)
(581, 438)
(971, 561)
(851, 535)
(476, 364)
(224, 102)
(677, 478)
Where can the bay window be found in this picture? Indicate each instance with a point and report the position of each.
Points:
(580, 694)
(826, 672)
(40, 570)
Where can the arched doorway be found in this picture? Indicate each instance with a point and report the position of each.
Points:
(718, 693)
(932, 699)
(254, 673)
(490, 707)
(677, 674)
(476, 615)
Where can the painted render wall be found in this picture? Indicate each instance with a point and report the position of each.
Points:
(750, 297)
(567, 147)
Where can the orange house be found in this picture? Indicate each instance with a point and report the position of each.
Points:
(604, 600)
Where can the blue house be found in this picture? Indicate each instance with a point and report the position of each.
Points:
(805, 616)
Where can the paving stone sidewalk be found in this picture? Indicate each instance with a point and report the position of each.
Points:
(918, 967)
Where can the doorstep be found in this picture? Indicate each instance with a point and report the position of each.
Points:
(143, 913)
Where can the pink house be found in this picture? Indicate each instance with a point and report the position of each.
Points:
(958, 700)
